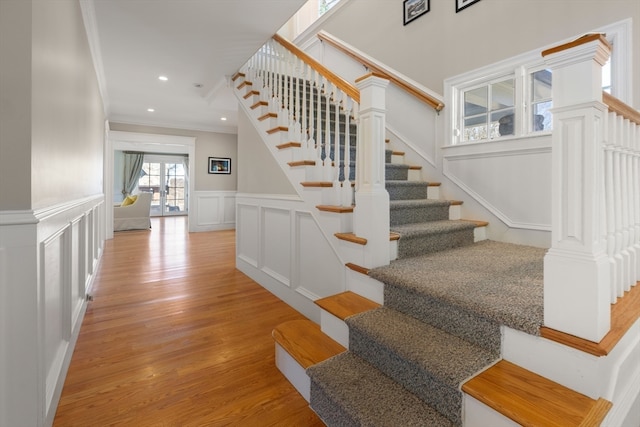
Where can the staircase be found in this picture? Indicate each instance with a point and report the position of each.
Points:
(447, 295)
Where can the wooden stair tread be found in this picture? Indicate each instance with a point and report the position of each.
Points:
(476, 222)
(415, 167)
(346, 304)
(302, 163)
(305, 342)
(288, 145)
(624, 313)
(335, 209)
(278, 129)
(267, 116)
(350, 237)
(532, 400)
(357, 268)
(317, 184)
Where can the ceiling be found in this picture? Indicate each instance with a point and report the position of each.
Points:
(196, 44)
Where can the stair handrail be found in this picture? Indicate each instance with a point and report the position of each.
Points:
(619, 107)
(341, 83)
(412, 89)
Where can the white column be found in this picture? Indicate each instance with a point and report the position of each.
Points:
(371, 213)
(576, 268)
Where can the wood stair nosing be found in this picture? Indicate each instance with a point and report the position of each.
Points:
(350, 237)
(624, 313)
(317, 184)
(278, 129)
(250, 93)
(237, 75)
(357, 268)
(288, 145)
(335, 209)
(243, 84)
(476, 222)
(268, 116)
(532, 400)
(302, 163)
(346, 304)
(259, 104)
(305, 342)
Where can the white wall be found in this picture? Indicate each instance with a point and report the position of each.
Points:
(443, 43)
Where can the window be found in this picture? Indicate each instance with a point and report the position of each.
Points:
(513, 98)
(489, 110)
(540, 101)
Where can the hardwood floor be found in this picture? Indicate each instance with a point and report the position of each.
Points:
(176, 336)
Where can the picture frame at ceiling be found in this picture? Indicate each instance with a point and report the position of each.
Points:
(463, 4)
(219, 165)
(414, 9)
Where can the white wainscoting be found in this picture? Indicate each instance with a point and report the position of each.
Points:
(512, 178)
(280, 245)
(214, 210)
(48, 259)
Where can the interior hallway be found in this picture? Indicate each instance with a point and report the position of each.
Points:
(176, 336)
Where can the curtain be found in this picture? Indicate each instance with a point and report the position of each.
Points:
(132, 168)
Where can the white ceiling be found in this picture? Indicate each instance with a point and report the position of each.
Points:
(189, 41)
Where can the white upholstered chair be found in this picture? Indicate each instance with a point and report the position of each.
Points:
(135, 216)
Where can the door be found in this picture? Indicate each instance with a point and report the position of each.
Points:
(167, 179)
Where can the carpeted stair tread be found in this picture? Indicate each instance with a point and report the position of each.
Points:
(421, 229)
(396, 172)
(416, 211)
(427, 361)
(347, 391)
(422, 238)
(500, 282)
(407, 190)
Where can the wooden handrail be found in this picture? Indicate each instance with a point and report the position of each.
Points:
(619, 107)
(341, 83)
(412, 89)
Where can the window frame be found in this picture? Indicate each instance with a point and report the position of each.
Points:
(522, 67)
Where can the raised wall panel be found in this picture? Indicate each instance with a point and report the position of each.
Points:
(522, 200)
(319, 271)
(247, 235)
(54, 294)
(77, 269)
(276, 244)
(214, 210)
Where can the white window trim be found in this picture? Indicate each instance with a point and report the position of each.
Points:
(618, 33)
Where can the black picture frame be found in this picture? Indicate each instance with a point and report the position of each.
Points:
(463, 4)
(219, 165)
(413, 9)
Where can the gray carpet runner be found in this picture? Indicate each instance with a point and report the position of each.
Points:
(445, 299)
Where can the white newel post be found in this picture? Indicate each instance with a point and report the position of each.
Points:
(371, 213)
(576, 268)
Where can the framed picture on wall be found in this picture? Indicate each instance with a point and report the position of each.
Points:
(462, 4)
(414, 9)
(220, 165)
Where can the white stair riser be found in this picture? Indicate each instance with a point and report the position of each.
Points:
(334, 327)
(433, 192)
(477, 414)
(479, 234)
(365, 286)
(293, 372)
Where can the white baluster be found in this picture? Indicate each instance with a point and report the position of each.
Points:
(328, 168)
(319, 94)
(346, 198)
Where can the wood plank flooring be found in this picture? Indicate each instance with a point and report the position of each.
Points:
(176, 336)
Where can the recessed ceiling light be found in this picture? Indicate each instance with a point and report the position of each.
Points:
(223, 118)
(198, 85)
(151, 110)
(163, 78)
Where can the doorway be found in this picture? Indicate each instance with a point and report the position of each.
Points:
(167, 178)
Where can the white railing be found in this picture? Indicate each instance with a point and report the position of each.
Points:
(622, 195)
(595, 248)
(315, 107)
